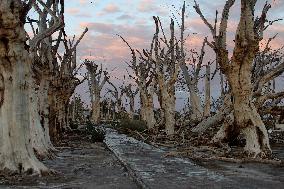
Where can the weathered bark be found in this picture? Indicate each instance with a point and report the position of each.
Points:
(207, 93)
(131, 108)
(238, 72)
(131, 96)
(96, 79)
(224, 131)
(191, 80)
(194, 98)
(44, 110)
(59, 96)
(216, 118)
(62, 85)
(142, 70)
(17, 154)
(166, 63)
(96, 110)
(40, 137)
(169, 113)
(147, 108)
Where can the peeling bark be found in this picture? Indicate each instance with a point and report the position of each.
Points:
(17, 154)
(96, 79)
(238, 71)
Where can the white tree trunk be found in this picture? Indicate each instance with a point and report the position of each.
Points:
(17, 154)
(222, 134)
(215, 119)
(194, 98)
(195, 103)
(39, 140)
(247, 119)
(147, 109)
(169, 111)
(44, 110)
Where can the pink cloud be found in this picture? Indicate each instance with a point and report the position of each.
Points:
(111, 8)
(83, 2)
(147, 6)
(77, 12)
(72, 11)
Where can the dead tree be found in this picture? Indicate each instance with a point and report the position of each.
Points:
(144, 78)
(117, 94)
(76, 110)
(64, 80)
(166, 59)
(130, 93)
(16, 87)
(51, 71)
(207, 104)
(41, 50)
(96, 79)
(238, 72)
(192, 75)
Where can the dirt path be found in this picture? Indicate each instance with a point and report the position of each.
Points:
(133, 164)
(153, 170)
(89, 165)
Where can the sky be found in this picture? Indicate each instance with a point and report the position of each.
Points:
(132, 19)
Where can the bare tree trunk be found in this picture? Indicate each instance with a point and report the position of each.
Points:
(96, 79)
(131, 110)
(246, 116)
(207, 93)
(169, 111)
(96, 114)
(44, 110)
(237, 70)
(196, 106)
(39, 142)
(17, 154)
(224, 131)
(195, 101)
(222, 86)
(147, 109)
(215, 119)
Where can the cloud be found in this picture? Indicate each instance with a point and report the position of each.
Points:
(77, 12)
(125, 17)
(103, 46)
(83, 2)
(72, 11)
(109, 9)
(143, 31)
(149, 6)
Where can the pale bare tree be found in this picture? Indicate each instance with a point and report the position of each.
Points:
(237, 69)
(131, 93)
(166, 58)
(117, 94)
(64, 80)
(144, 79)
(17, 87)
(41, 49)
(96, 79)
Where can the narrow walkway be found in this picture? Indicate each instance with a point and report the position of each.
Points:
(151, 169)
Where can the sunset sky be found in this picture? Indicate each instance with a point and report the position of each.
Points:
(133, 20)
